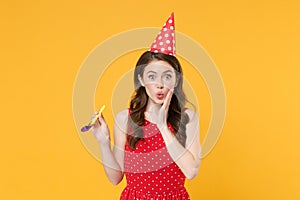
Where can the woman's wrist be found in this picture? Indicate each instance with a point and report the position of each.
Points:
(104, 141)
(162, 127)
(167, 134)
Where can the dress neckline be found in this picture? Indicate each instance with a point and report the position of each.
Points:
(148, 121)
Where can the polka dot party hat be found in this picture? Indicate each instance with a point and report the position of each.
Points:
(165, 40)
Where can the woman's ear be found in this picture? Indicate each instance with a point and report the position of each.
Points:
(177, 81)
(141, 80)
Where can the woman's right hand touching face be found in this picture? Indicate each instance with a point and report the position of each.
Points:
(100, 130)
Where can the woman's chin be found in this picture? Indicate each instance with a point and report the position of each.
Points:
(159, 101)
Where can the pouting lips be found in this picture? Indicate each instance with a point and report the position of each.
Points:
(160, 95)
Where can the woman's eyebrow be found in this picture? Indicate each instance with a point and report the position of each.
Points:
(151, 72)
(167, 71)
(162, 72)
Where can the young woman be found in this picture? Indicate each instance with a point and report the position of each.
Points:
(156, 140)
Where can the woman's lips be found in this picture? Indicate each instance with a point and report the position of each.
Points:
(160, 95)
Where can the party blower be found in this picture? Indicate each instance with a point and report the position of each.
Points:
(93, 120)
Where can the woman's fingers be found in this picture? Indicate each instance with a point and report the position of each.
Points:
(95, 113)
(101, 119)
(168, 98)
(163, 113)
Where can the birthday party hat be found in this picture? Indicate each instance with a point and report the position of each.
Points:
(165, 40)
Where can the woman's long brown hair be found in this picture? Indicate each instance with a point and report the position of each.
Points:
(176, 115)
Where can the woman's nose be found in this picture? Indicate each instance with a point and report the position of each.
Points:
(159, 84)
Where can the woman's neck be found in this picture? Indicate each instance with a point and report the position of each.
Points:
(152, 111)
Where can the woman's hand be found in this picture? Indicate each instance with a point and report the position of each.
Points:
(163, 112)
(100, 130)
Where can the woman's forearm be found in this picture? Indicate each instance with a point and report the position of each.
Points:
(185, 160)
(111, 167)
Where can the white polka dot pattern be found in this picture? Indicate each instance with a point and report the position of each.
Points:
(150, 171)
(166, 38)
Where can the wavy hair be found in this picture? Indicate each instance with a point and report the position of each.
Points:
(176, 115)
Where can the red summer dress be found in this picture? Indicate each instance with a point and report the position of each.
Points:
(150, 172)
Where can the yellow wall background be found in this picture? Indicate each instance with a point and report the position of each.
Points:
(255, 44)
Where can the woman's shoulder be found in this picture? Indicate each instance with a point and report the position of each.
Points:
(192, 127)
(123, 114)
(191, 113)
(121, 119)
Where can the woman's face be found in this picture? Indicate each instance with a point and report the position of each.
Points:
(158, 78)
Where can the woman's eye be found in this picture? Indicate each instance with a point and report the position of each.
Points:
(151, 77)
(168, 76)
